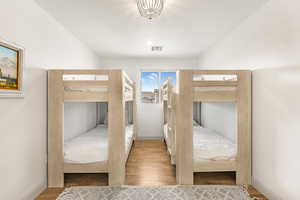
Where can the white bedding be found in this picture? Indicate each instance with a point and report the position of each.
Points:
(209, 145)
(92, 146)
(86, 89)
(167, 138)
(166, 131)
(220, 88)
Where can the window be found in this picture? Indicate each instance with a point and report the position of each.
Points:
(151, 83)
(166, 75)
(150, 87)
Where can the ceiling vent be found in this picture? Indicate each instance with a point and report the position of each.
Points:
(156, 48)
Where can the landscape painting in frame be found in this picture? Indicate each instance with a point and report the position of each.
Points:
(10, 68)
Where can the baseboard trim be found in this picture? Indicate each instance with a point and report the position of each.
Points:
(35, 192)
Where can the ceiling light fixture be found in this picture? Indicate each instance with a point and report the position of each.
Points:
(150, 8)
(149, 43)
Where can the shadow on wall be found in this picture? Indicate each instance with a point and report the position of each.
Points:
(276, 136)
(24, 123)
(221, 117)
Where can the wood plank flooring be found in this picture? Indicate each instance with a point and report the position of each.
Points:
(148, 165)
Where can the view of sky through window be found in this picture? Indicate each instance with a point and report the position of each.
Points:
(151, 83)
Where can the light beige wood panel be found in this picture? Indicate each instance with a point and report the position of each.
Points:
(128, 80)
(172, 120)
(215, 166)
(128, 96)
(85, 83)
(243, 175)
(74, 96)
(135, 120)
(55, 129)
(215, 96)
(165, 97)
(116, 129)
(128, 85)
(184, 133)
(100, 167)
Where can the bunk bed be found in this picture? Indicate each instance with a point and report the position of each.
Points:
(168, 100)
(200, 149)
(208, 144)
(103, 149)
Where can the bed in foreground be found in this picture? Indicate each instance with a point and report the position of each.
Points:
(101, 150)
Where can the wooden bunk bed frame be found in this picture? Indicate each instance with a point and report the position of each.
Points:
(185, 96)
(119, 89)
(169, 99)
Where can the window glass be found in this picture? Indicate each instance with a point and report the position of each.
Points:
(150, 87)
(151, 83)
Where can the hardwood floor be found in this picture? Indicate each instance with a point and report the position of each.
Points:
(148, 165)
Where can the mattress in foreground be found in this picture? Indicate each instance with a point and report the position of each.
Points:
(92, 146)
(211, 146)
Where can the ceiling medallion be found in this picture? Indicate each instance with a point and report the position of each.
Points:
(150, 8)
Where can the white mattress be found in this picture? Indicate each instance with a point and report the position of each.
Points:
(167, 138)
(220, 88)
(215, 77)
(86, 89)
(166, 131)
(209, 145)
(85, 77)
(92, 146)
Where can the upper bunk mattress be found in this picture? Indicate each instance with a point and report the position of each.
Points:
(92, 146)
(211, 146)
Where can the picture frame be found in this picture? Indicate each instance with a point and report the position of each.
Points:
(11, 70)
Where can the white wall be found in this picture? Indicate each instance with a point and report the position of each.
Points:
(221, 117)
(23, 122)
(79, 118)
(150, 116)
(102, 113)
(269, 42)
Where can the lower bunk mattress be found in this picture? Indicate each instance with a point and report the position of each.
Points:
(209, 145)
(92, 146)
(212, 146)
(167, 138)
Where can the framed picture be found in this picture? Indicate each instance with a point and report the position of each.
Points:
(11, 70)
